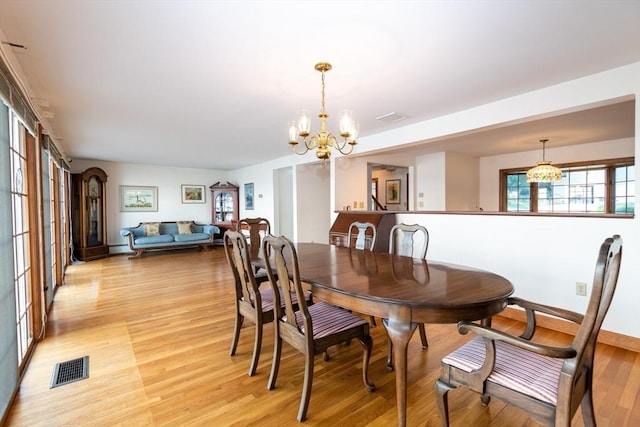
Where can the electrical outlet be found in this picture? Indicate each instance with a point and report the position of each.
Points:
(581, 289)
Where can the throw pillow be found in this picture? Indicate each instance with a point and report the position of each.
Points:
(151, 228)
(184, 227)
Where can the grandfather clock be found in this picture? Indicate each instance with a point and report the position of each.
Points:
(89, 214)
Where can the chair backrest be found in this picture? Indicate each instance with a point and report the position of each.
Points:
(605, 280)
(257, 228)
(404, 234)
(235, 248)
(362, 235)
(285, 281)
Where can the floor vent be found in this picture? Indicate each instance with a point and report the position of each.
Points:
(70, 371)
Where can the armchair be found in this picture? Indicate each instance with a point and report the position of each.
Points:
(548, 382)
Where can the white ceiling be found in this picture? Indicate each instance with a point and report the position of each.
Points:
(212, 84)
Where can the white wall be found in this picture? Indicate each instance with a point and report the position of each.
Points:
(352, 185)
(430, 183)
(168, 180)
(462, 186)
(543, 257)
(284, 223)
(312, 207)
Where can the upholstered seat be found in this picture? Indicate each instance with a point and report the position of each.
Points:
(547, 381)
(327, 320)
(534, 375)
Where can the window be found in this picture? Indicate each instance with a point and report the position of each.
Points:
(603, 187)
(21, 237)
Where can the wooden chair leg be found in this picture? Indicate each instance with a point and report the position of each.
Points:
(236, 333)
(367, 345)
(275, 364)
(306, 386)
(257, 345)
(423, 335)
(389, 354)
(485, 399)
(588, 414)
(372, 320)
(442, 390)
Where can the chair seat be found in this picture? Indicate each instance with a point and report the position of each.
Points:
(328, 319)
(267, 299)
(526, 372)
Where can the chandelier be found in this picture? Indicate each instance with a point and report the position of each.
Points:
(323, 141)
(544, 171)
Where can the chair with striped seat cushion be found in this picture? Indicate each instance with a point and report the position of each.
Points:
(251, 302)
(329, 325)
(548, 382)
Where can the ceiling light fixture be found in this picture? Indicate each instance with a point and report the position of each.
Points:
(544, 171)
(323, 141)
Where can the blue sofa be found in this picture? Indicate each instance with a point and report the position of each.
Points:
(168, 235)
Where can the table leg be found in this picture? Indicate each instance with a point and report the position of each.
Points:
(400, 333)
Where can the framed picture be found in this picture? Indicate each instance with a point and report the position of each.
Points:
(393, 191)
(248, 196)
(193, 194)
(138, 199)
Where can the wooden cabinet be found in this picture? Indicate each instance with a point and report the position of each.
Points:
(382, 220)
(224, 205)
(89, 214)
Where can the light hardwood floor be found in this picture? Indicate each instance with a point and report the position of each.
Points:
(157, 331)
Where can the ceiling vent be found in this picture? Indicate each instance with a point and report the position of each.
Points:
(391, 117)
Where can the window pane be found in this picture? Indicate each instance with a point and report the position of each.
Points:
(577, 177)
(596, 176)
(518, 193)
(544, 205)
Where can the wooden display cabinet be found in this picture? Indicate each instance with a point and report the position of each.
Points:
(89, 214)
(224, 205)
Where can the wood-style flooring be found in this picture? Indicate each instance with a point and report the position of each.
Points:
(157, 331)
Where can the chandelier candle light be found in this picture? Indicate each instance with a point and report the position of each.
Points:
(544, 171)
(323, 141)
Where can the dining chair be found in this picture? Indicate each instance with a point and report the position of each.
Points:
(310, 329)
(402, 241)
(256, 229)
(547, 381)
(251, 302)
(362, 235)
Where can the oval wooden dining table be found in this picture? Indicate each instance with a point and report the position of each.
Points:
(405, 291)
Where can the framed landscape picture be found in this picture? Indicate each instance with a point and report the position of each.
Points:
(248, 196)
(138, 199)
(393, 191)
(193, 194)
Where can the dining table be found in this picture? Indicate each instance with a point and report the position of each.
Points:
(403, 291)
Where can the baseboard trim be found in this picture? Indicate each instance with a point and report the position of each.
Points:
(606, 337)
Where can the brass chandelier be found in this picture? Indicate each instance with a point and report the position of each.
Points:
(544, 171)
(323, 141)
